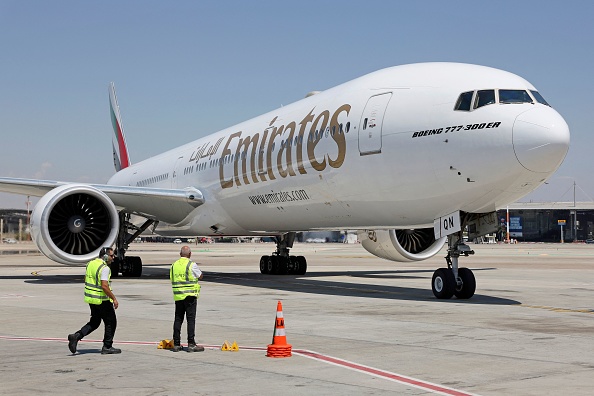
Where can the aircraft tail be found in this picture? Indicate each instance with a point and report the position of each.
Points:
(121, 159)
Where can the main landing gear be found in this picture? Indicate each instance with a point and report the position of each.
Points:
(456, 281)
(280, 262)
(131, 265)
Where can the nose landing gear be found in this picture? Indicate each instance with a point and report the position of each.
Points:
(447, 282)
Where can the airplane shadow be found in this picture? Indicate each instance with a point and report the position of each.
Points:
(305, 283)
(309, 284)
(46, 279)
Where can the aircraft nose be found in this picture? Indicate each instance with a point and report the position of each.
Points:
(541, 139)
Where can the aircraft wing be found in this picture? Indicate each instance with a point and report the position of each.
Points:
(34, 187)
(169, 205)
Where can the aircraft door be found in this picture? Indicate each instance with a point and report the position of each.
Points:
(175, 176)
(370, 127)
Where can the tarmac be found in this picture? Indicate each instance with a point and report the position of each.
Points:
(358, 325)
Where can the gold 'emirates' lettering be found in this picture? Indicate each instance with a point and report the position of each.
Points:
(256, 149)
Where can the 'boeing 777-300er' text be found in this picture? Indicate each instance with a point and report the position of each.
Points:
(409, 156)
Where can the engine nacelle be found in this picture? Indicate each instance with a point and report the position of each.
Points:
(71, 223)
(401, 245)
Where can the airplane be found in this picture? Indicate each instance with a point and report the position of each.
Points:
(409, 156)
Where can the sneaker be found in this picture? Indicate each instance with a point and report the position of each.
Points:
(195, 348)
(176, 348)
(110, 351)
(72, 342)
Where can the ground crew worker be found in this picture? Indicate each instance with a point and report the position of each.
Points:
(184, 275)
(102, 302)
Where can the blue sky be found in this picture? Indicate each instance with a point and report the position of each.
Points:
(185, 69)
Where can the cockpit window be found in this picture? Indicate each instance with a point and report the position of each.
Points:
(539, 98)
(514, 96)
(464, 101)
(484, 97)
(487, 96)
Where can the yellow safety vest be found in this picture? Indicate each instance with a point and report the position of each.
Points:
(94, 293)
(183, 281)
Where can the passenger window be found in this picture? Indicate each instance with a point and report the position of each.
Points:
(484, 97)
(464, 101)
(539, 98)
(514, 96)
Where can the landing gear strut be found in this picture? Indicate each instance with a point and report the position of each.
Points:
(456, 281)
(131, 265)
(280, 262)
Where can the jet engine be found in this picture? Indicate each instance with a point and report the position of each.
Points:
(71, 223)
(401, 245)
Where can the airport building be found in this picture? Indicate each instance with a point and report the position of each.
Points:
(548, 222)
(13, 223)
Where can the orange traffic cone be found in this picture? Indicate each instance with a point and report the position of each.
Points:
(279, 347)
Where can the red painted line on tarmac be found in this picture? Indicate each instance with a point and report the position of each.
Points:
(424, 385)
(428, 386)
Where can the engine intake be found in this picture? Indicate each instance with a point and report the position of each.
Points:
(71, 223)
(401, 245)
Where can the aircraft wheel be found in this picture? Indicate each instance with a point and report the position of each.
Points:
(132, 266)
(264, 264)
(468, 284)
(115, 268)
(293, 265)
(272, 265)
(301, 265)
(282, 265)
(443, 283)
(125, 268)
(135, 264)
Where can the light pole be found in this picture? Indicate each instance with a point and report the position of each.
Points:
(507, 225)
(28, 219)
(574, 216)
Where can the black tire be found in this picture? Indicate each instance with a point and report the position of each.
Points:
(282, 265)
(115, 268)
(263, 265)
(468, 284)
(272, 265)
(301, 265)
(132, 266)
(135, 264)
(293, 265)
(443, 284)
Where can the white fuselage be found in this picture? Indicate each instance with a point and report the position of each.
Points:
(386, 150)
